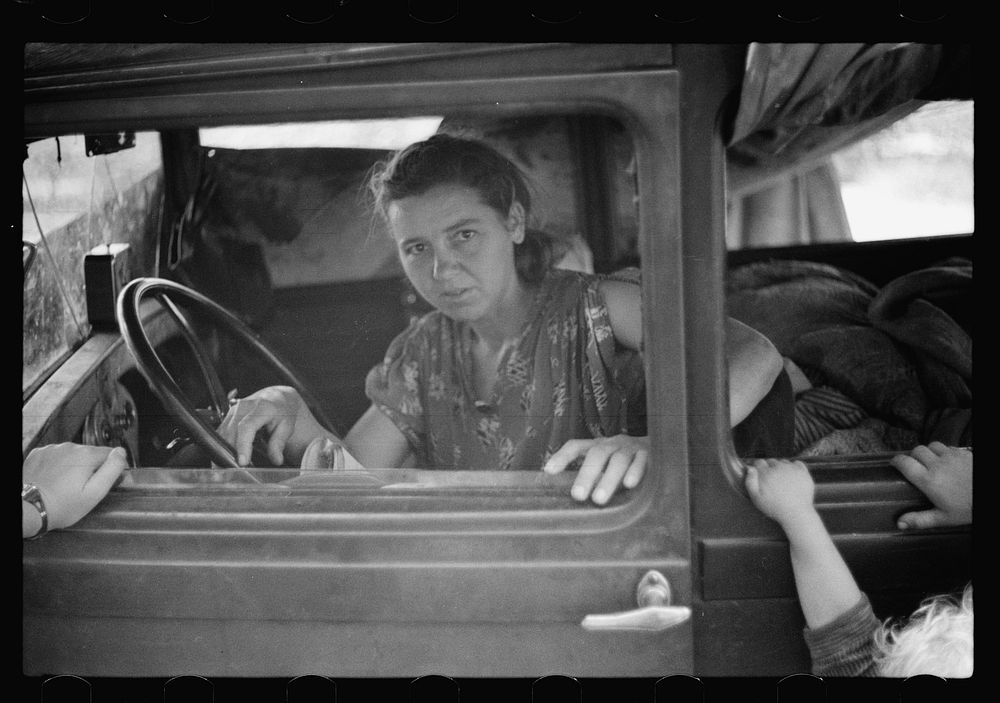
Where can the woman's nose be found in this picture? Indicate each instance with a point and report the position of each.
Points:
(445, 263)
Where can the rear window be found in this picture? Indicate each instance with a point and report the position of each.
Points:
(912, 179)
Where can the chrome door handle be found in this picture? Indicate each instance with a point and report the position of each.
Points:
(654, 613)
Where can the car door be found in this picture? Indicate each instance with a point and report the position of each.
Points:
(747, 616)
(399, 573)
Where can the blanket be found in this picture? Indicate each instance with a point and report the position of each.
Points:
(902, 353)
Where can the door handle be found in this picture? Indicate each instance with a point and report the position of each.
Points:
(654, 613)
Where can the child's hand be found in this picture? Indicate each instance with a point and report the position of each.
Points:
(781, 489)
(944, 474)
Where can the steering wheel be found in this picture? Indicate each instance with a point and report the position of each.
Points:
(130, 324)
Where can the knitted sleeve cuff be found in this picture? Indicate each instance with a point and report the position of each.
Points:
(844, 646)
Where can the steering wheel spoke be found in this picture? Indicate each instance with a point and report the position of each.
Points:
(217, 395)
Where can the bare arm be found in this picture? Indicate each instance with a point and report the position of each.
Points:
(754, 364)
(377, 443)
(624, 303)
(374, 441)
(825, 585)
(783, 490)
(753, 361)
(608, 462)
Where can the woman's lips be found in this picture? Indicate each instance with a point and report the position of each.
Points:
(454, 295)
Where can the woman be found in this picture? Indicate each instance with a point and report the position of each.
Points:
(519, 365)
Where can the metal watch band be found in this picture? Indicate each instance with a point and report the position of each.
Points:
(31, 494)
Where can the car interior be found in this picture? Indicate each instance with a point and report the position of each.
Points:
(262, 263)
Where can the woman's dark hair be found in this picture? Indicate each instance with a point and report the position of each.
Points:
(447, 159)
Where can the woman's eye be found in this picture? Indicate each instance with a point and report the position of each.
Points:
(466, 234)
(414, 249)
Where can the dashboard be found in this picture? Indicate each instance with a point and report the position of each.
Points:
(98, 397)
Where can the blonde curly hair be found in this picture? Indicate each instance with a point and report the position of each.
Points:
(936, 639)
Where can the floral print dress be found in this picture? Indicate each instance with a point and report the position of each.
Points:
(565, 378)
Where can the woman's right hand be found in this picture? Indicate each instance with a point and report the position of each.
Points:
(282, 414)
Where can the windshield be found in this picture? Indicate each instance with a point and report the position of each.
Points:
(74, 201)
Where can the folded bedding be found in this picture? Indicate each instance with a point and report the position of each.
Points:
(888, 367)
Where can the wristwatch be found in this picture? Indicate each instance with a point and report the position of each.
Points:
(31, 494)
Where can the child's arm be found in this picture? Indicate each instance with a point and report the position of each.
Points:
(783, 490)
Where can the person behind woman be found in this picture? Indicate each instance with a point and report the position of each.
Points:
(520, 365)
(63, 482)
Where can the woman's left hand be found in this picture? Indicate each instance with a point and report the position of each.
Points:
(608, 462)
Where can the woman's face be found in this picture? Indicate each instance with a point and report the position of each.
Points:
(458, 251)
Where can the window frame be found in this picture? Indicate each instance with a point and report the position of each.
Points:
(651, 124)
(561, 563)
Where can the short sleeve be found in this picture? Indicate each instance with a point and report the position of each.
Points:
(616, 379)
(394, 385)
(625, 366)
